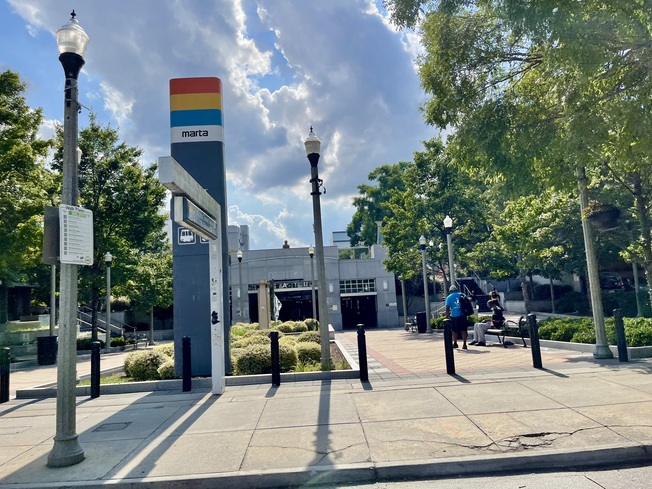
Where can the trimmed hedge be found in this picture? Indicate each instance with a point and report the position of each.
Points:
(143, 365)
(638, 331)
(309, 352)
(310, 336)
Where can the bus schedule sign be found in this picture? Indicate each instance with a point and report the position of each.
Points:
(76, 235)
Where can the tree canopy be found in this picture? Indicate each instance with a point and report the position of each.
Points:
(24, 182)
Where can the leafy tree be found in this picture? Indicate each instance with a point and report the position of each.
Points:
(434, 187)
(544, 92)
(125, 199)
(149, 282)
(372, 204)
(24, 185)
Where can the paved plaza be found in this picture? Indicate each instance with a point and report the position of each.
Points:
(496, 415)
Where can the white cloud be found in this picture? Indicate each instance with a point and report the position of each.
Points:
(337, 65)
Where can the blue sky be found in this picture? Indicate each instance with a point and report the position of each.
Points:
(337, 65)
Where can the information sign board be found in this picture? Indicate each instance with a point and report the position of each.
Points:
(76, 239)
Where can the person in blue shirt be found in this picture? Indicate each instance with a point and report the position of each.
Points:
(454, 313)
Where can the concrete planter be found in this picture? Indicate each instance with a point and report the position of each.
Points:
(633, 352)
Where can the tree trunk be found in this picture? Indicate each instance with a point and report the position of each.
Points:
(642, 203)
(524, 289)
(552, 295)
(151, 325)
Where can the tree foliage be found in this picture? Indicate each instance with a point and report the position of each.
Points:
(126, 201)
(25, 183)
(372, 203)
(536, 90)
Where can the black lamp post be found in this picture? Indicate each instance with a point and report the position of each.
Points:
(422, 247)
(108, 258)
(311, 252)
(239, 255)
(313, 146)
(448, 226)
(72, 42)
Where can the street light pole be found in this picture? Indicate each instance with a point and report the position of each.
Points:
(311, 252)
(422, 247)
(602, 349)
(108, 258)
(240, 293)
(448, 226)
(72, 42)
(313, 146)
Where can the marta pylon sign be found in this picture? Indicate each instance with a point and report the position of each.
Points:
(197, 145)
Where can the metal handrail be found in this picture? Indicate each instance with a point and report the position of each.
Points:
(116, 324)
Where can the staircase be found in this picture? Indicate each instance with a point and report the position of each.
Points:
(469, 286)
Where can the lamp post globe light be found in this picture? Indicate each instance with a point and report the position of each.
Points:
(448, 226)
(311, 252)
(422, 247)
(240, 292)
(72, 42)
(108, 258)
(313, 147)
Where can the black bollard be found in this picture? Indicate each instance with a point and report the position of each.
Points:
(276, 359)
(534, 341)
(621, 341)
(186, 365)
(4, 374)
(448, 347)
(362, 354)
(96, 346)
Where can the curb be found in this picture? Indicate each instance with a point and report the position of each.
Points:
(197, 383)
(533, 462)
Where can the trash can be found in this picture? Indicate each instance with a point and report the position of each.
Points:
(46, 350)
(422, 323)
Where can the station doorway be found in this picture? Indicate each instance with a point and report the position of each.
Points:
(296, 305)
(359, 309)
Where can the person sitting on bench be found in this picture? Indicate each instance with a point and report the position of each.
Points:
(497, 321)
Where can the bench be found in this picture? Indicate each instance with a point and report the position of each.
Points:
(509, 327)
(135, 339)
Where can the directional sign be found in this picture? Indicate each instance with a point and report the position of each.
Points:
(76, 228)
(191, 216)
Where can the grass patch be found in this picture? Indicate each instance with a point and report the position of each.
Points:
(117, 378)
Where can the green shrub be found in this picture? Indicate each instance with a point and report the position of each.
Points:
(143, 365)
(256, 359)
(638, 331)
(252, 340)
(167, 349)
(287, 357)
(85, 342)
(313, 336)
(166, 370)
(299, 327)
(312, 324)
(118, 341)
(307, 367)
(288, 340)
(240, 329)
(308, 352)
(286, 327)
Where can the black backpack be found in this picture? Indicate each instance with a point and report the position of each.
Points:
(466, 305)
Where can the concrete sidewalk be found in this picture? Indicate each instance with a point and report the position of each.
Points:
(497, 414)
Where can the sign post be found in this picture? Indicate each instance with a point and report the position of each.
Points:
(197, 211)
